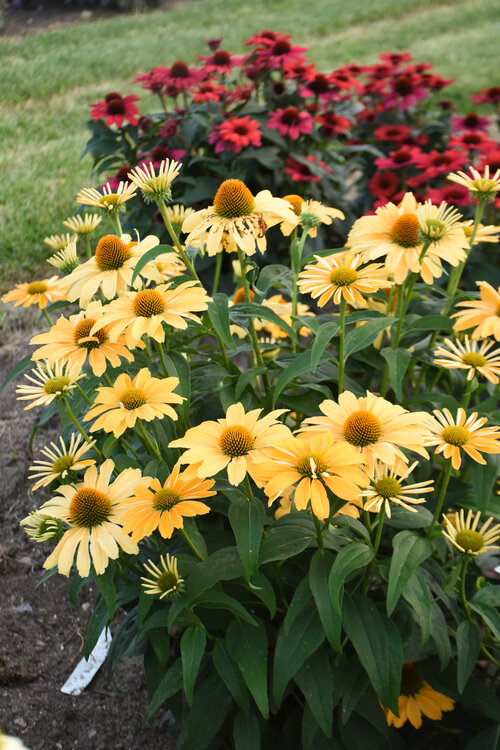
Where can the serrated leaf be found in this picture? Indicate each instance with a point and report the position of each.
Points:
(231, 675)
(293, 648)
(319, 571)
(322, 338)
(147, 257)
(409, 550)
(397, 362)
(247, 646)
(363, 336)
(218, 312)
(193, 643)
(247, 521)
(315, 680)
(350, 558)
(468, 648)
(377, 642)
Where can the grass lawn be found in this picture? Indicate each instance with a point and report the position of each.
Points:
(49, 79)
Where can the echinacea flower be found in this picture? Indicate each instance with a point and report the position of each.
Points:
(58, 241)
(70, 340)
(244, 218)
(66, 259)
(114, 109)
(235, 442)
(155, 184)
(474, 356)
(483, 315)
(134, 314)
(164, 506)
(484, 186)
(110, 269)
(449, 435)
(311, 465)
(109, 201)
(92, 510)
(83, 225)
(291, 121)
(61, 461)
(339, 277)
(41, 293)
(463, 533)
(164, 580)
(42, 528)
(387, 487)
(312, 214)
(417, 698)
(50, 382)
(489, 233)
(177, 213)
(144, 397)
(235, 134)
(283, 309)
(374, 426)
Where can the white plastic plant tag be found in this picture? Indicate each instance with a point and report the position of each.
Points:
(86, 669)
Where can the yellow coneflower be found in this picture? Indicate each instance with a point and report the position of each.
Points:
(474, 356)
(164, 506)
(41, 293)
(489, 233)
(42, 528)
(50, 382)
(155, 187)
(311, 466)
(91, 510)
(450, 435)
(144, 397)
(66, 259)
(479, 185)
(234, 442)
(417, 698)
(463, 533)
(61, 461)
(311, 214)
(483, 314)
(242, 217)
(164, 580)
(339, 276)
(108, 201)
(387, 487)
(177, 213)
(283, 309)
(59, 241)
(83, 225)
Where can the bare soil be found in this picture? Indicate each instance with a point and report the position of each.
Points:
(41, 633)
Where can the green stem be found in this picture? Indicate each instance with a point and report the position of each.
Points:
(446, 474)
(378, 535)
(490, 656)
(107, 379)
(192, 546)
(342, 345)
(248, 488)
(80, 429)
(88, 249)
(148, 443)
(457, 272)
(118, 223)
(218, 266)
(173, 236)
(82, 393)
(463, 595)
(319, 532)
(47, 316)
(470, 387)
(296, 260)
(134, 569)
(129, 448)
(253, 333)
(159, 349)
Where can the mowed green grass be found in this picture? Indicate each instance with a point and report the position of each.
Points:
(49, 79)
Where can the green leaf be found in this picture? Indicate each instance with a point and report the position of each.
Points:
(430, 323)
(193, 643)
(440, 635)
(397, 361)
(490, 615)
(299, 365)
(331, 620)
(231, 675)
(220, 600)
(488, 739)
(293, 648)
(247, 521)
(95, 625)
(20, 367)
(218, 312)
(211, 706)
(416, 592)
(254, 310)
(245, 378)
(363, 336)
(483, 478)
(350, 558)
(409, 550)
(193, 532)
(489, 595)
(247, 646)
(123, 641)
(323, 336)
(246, 732)
(273, 276)
(377, 642)
(282, 543)
(262, 588)
(106, 586)
(315, 680)
(300, 600)
(170, 684)
(147, 257)
(468, 648)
